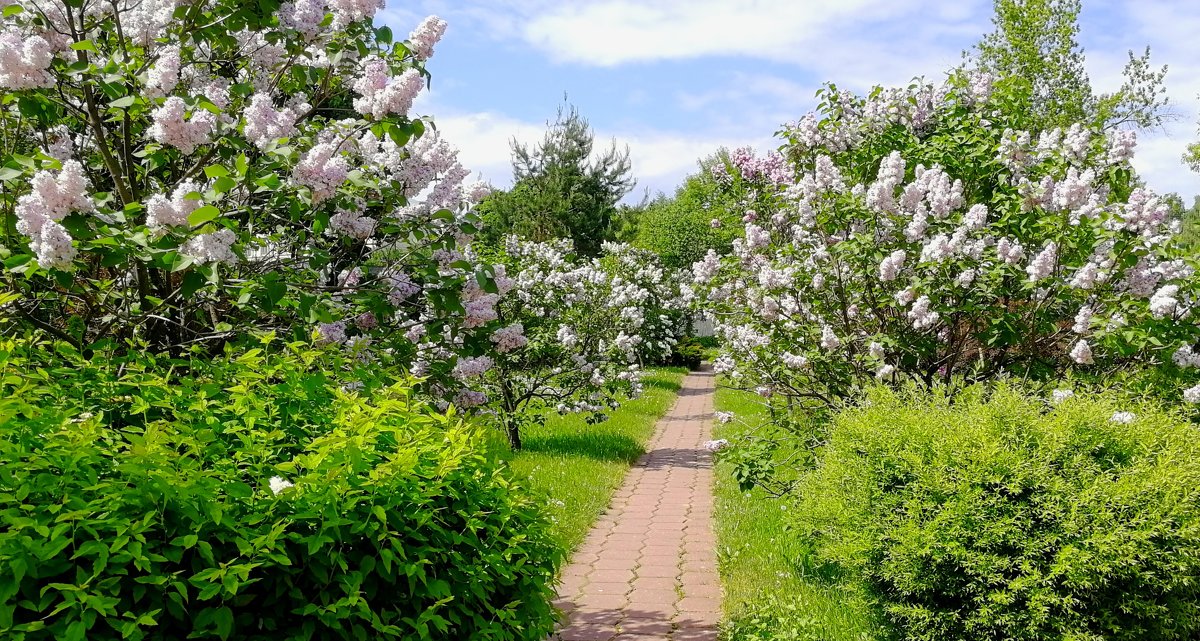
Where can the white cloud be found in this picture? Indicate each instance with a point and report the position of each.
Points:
(660, 159)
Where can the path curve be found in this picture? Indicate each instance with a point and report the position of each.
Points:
(647, 570)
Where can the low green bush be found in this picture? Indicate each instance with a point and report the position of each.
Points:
(688, 352)
(252, 499)
(999, 516)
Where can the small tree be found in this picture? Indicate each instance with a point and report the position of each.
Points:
(561, 189)
(703, 214)
(1035, 44)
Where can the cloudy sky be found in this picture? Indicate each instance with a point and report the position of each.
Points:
(676, 79)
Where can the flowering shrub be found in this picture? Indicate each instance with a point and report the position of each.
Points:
(252, 499)
(571, 332)
(925, 234)
(176, 172)
(992, 515)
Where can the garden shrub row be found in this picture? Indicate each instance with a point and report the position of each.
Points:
(996, 515)
(251, 498)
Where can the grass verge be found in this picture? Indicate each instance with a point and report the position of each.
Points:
(769, 591)
(577, 466)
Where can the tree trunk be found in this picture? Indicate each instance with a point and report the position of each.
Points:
(514, 434)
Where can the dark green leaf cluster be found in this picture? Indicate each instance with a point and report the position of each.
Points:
(139, 500)
(997, 516)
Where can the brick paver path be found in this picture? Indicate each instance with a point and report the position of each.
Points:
(647, 570)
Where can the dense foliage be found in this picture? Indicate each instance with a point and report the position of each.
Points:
(248, 497)
(994, 516)
(702, 215)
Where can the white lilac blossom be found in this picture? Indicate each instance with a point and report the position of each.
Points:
(723, 417)
(1082, 353)
(794, 361)
(1192, 395)
(1083, 320)
(885, 371)
(1164, 303)
(890, 268)
(829, 340)
(1123, 418)
(921, 315)
(279, 484)
(1186, 357)
(1060, 395)
(1043, 264)
(162, 212)
(717, 445)
(214, 247)
(875, 350)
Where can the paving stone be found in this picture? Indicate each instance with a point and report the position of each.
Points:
(647, 570)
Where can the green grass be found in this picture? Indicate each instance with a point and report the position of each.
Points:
(577, 466)
(769, 592)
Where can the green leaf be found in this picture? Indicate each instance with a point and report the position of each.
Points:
(122, 103)
(384, 35)
(12, 10)
(215, 171)
(203, 215)
(223, 619)
(84, 45)
(224, 184)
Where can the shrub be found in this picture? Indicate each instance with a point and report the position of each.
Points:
(994, 517)
(222, 510)
(688, 352)
(935, 233)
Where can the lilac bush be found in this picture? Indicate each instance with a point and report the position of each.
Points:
(926, 233)
(178, 173)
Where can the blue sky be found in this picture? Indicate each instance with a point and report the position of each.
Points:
(676, 79)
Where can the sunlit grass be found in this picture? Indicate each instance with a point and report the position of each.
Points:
(577, 467)
(769, 594)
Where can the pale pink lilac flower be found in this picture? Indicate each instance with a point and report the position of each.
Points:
(322, 169)
(471, 367)
(1043, 264)
(332, 333)
(380, 93)
(24, 60)
(509, 338)
(1083, 320)
(163, 76)
(425, 36)
(163, 212)
(173, 127)
(265, 124)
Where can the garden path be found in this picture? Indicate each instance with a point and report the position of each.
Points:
(647, 569)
